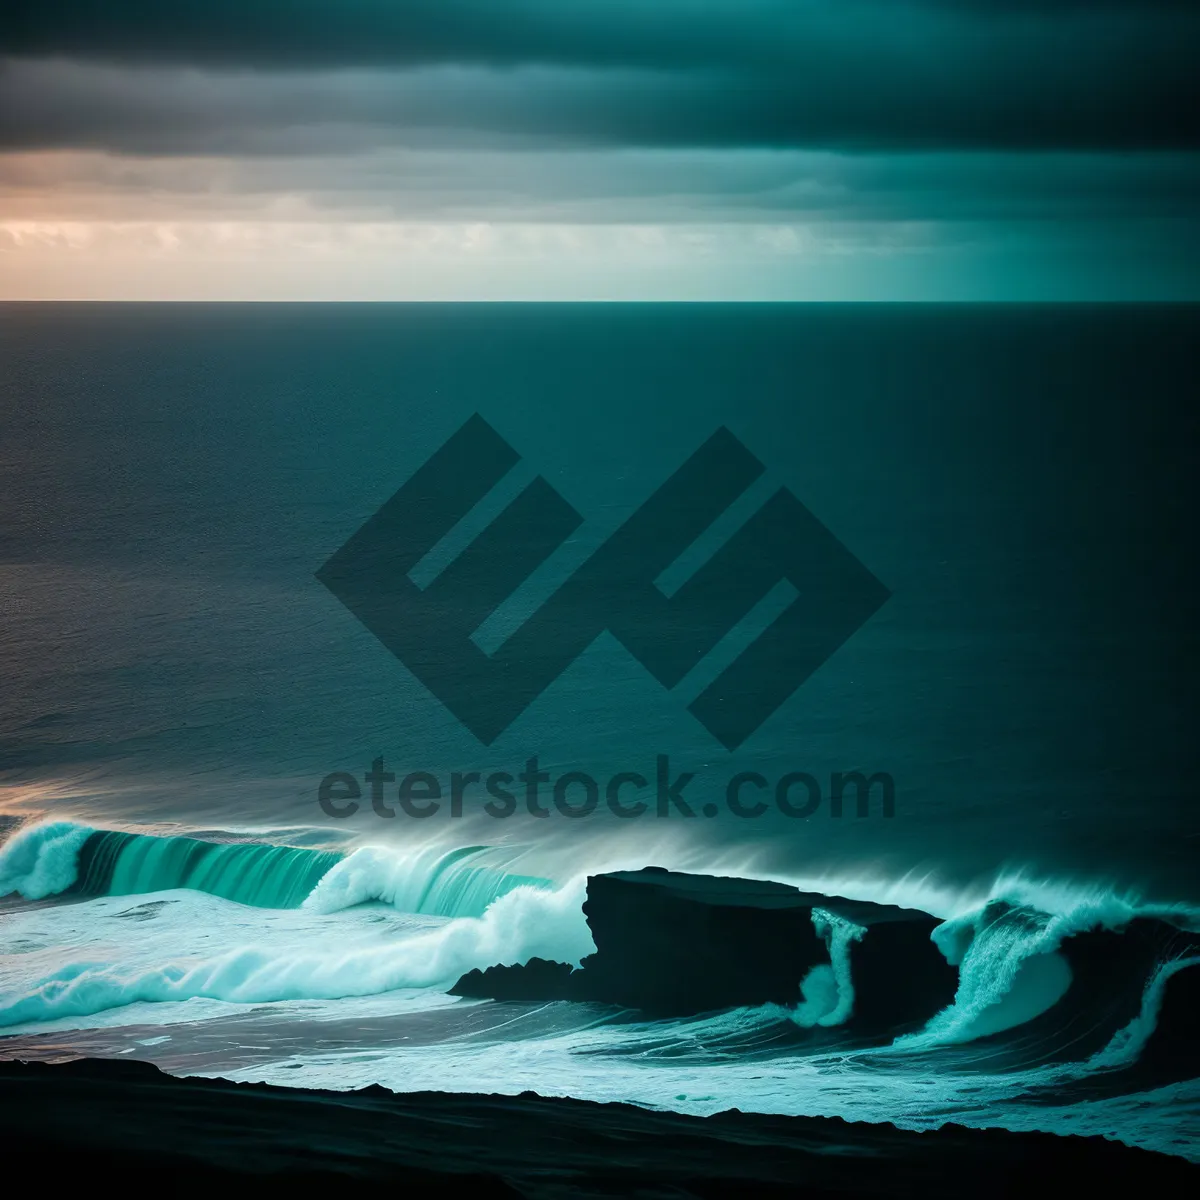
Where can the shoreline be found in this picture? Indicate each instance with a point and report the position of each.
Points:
(93, 1115)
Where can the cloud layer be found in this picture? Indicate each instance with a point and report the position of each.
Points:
(857, 73)
(774, 130)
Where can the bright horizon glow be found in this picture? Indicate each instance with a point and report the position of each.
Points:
(330, 260)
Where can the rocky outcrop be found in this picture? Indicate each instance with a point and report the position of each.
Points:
(535, 980)
(672, 944)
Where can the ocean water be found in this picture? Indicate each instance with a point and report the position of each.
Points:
(177, 683)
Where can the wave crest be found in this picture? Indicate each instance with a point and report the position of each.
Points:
(42, 860)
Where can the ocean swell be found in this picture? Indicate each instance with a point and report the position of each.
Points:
(1043, 974)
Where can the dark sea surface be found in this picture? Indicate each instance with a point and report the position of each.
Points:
(1021, 479)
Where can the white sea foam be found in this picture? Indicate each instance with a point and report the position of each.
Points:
(41, 860)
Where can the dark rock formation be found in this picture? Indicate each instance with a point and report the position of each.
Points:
(674, 944)
(84, 1121)
(671, 944)
(535, 980)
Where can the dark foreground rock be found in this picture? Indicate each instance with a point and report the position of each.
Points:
(672, 944)
(87, 1121)
(535, 980)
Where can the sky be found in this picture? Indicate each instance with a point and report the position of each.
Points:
(600, 149)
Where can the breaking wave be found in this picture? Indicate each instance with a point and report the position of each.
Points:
(1044, 974)
(73, 860)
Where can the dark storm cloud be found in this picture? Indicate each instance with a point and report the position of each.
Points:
(856, 74)
(408, 32)
(266, 33)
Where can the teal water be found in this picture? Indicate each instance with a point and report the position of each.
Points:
(1020, 478)
(177, 684)
(122, 864)
(452, 883)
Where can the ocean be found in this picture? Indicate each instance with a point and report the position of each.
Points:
(263, 806)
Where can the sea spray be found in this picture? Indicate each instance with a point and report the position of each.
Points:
(1008, 972)
(827, 990)
(429, 880)
(524, 923)
(41, 860)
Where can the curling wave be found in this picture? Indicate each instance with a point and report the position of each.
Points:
(66, 859)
